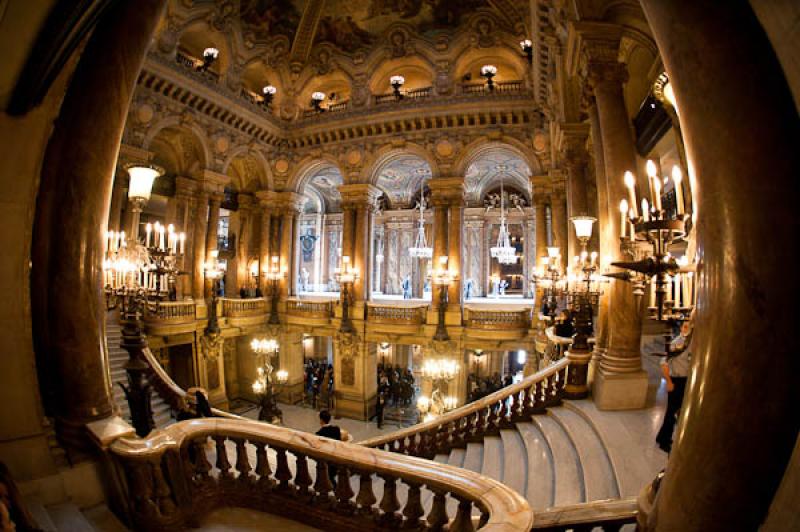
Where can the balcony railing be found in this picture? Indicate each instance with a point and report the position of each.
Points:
(170, 480)
(503, 87)
(172, 312)
(310, 309)
(241, 308)
(191, 64)
(395, 314)
(332, 108)
(226, 243)
(408, 96)
(500, 319)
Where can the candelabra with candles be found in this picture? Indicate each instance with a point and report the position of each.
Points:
(661, 229)
(265, 384)
(274, 275)
(214, 271)
(441, 277)
(549, 277)
(346, 276)
(489, 72)
(396, 82)
(440, 372)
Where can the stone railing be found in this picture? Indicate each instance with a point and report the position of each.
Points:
(396, 314)
(498, 319)
(485, 417)
(408, 96)
(172, 312)
(310, 308)
(170, 480)
(556, 346)
(503, 87)
(240, 308)
(607, 516)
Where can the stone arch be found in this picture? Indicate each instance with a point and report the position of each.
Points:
(321, 176)
(479, 179)
(198, 35)
(191, 129)
(417, 70)
(411, 166)
(510, 64)
(263, 175)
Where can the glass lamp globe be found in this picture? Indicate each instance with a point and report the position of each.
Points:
(583, 226)
(141, 180)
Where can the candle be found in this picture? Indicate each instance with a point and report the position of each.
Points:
(657, 194)
(677, 178)
(650, 168)
(161, 238)
(593, 257)
(122, 242)
(148, 229)
(630, 183)
(623, 210)
(678, 302)
(645, 210)
(632, 232)
(690, 281)
(653, 292)
(687, 302)
(183, 242)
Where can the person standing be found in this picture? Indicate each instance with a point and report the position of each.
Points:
(380, 404)
(327, 430)
(675, 368)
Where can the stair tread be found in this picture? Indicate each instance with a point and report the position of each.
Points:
(598, 475)
(568, 478)
(539, 488)
(473, 457)
(68, 518)
(456, 457)
(40, 514)
(515, 461)
(493, 458)
(103, 519)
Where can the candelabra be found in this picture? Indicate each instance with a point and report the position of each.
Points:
(316, 101)
(269, 93)
(396, 82)
(421, 249)
(346, 276)
(660, 229)
(489, 72)
(504, 252)
(214, 271)
(264, 385)
(209, 56)
(274, 276)
(441, 372)
(549, 277)
(527, 49)
(442, 277)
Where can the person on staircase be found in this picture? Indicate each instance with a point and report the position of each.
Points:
(675, 368)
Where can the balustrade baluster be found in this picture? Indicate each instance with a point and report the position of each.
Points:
(323, 486)
(202, 466)
(484, 516)
(223, 464)
(389, 503)
(344, 492)
(263, 469)
(163, 493)
(302, 478)
(413, 510)
(463, 520)
(366, 497)
(283, 474)
(401, 447)
(242, 462)
(140, 477)
(437, 517)
(412, 448)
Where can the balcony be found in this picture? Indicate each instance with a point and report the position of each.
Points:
(171, 317)
(310, 311)
(499, 323)
(396, 317)
(408, 96)
(244, 312)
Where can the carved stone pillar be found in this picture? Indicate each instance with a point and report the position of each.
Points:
(243, 238)
(447, 198)
(72, 209)
(741, 398)
(199, 247)
(558, 213)
(118, 199)
(576, 160)
(620, 382)
(288, 250)
(539, 206)
(358, 203)
(214, 202)
(265, 240)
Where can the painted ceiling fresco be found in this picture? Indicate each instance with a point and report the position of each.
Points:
(326, 183)
(351, 25)
(490, 167)
(267, 18)
(401, 177)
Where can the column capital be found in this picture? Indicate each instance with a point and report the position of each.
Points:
(185, 187)
(246, 202)
(356, 195)
(571, 142)
(447, 191)
(267, 199)
(593, 47)
(131, 154)
(214, 182)
(289, 202)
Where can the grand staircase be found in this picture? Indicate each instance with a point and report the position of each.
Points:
(116, 360)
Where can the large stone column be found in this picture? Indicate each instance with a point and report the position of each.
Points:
(358, 203)
(740, 416)
(290, 204)
(620, 382)
(576, 159)
(558, 215)
(539, 204)
(243, 238)
(440, 234)
(212, 240)
(199, 247)
(72, 214)
(447, 198)
(265, 240)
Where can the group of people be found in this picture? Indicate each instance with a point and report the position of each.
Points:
(318, 383)
(480, 387)
(395, 385)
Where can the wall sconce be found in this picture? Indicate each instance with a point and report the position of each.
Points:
(527, 49)
(397, 82)
(269, 91)
(489, 72)
(209, 56)
(316, 101)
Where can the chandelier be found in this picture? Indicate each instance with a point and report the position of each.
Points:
(421, 249)
(504, 252)
(440, 372)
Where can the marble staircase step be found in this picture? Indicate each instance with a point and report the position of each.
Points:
(493, 458)
(473, 457)
(67, 517)
(599, 479)
(567, 483)
(104, 520)
(515, 461)
(539, 489)
(456, 458)
(40, 514)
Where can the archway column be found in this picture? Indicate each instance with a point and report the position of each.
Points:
(289, 206)
(265, 205)
(447, 197)
(575, 160)
(740, 417)
(559, 222)
(620, 382)
(212, 232)
(358, 204)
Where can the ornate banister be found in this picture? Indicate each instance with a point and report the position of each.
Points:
(607, 515)
(236, 308)
(172, 312)
(310, 308)
(484, 417)
(173, 478)
(397, 314)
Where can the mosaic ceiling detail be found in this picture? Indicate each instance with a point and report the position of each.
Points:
(266, 18)
(325, 182)
(491, 167)
(400, 179)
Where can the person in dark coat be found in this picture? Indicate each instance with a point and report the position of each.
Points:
(329, 431)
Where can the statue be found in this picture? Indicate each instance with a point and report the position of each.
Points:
(469, 286)
(305, 275)
(406, 288)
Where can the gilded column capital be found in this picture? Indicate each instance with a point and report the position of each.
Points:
(267, 200)
(214, 182)
(185, 187)
(446, 191)
(289, 203)
(246, 202)
(356, 195)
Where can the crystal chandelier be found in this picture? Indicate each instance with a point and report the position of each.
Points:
(421, 249)
(504, 252)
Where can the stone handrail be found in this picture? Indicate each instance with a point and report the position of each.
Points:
(498, 319)
(607, 515)
(504, 87)
(174, 477)
(484, 417)
(397, 314)
(411, 95)
(237, 308)
(308, 308)
(174, 312)
(168, 390)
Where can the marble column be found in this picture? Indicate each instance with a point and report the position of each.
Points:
(576, 159)
(740, 419)
(288, 238)
(620, 382)
(199, 247)
(243, 238)
(440, 234)
(539, 206)
(71, 215)
(215, 200)
(118, 199)
(558, 209)
(184, 215)
(264, 244)
(362, 251)
(456, 228)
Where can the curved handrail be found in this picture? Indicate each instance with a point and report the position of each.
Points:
(538, 390)
(183, 477)
(168, 389)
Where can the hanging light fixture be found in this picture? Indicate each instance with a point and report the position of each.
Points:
(504, 252)
(421, 248)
